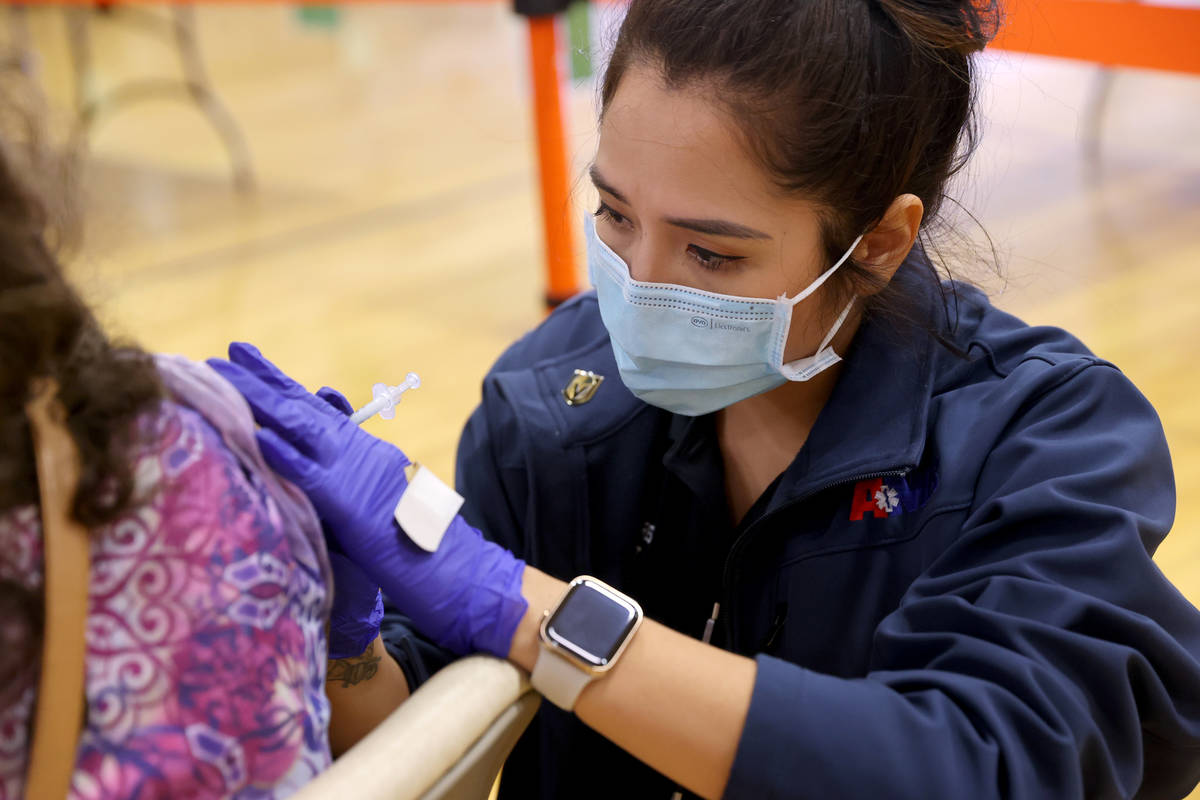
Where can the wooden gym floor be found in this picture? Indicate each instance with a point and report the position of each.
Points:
(395, 229)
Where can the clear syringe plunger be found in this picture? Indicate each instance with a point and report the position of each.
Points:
(386, 398)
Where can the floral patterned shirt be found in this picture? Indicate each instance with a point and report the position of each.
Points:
(207, 607)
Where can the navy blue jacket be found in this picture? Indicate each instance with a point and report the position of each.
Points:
(949, 592)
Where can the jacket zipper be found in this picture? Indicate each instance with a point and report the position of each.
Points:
(727, 576)
(728, 573)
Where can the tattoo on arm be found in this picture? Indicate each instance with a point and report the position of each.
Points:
(352, 671)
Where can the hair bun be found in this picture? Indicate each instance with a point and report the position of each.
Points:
(957, 26)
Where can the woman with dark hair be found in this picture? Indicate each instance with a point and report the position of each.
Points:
(894, 542)
(208, 599)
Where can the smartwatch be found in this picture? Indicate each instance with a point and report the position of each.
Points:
(582, 639)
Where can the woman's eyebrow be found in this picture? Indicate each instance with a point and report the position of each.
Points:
(712, 227)
(718, 227)
(603, 185)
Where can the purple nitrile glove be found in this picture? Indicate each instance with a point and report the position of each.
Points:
(335, 400)
(466, 596)
(357, 601)
(357, 608)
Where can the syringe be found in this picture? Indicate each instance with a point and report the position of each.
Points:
(386, 398)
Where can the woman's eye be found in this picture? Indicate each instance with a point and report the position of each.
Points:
(710, 260)
(606, 211)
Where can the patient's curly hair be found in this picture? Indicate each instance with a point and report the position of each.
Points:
(47, 331)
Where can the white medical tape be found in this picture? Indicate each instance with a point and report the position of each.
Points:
(427, 508)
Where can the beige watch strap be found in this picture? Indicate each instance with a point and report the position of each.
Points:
(557, 679)
(60, 695)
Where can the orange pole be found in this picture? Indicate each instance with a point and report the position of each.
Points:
(561, 278)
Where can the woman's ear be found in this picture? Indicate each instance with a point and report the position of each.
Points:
(884, 247)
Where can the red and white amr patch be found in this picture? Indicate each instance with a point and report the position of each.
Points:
(884, 497)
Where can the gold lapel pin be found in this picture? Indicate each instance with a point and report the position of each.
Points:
(582, 387)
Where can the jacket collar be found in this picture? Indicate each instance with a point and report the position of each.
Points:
(876, 418)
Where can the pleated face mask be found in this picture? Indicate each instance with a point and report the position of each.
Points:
(693, 352)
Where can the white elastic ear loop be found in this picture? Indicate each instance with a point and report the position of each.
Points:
(837, 325)
(812, 287)
(825, 343)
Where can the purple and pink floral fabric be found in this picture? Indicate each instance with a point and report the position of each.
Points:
(207, 608)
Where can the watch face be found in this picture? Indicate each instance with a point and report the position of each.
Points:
(592, 623)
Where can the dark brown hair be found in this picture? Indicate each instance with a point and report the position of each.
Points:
(849, 103)
(46, 330)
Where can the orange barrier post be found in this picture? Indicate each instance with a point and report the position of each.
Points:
(562, 281)
(1109, 32)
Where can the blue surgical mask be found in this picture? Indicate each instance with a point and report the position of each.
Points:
(693, 352)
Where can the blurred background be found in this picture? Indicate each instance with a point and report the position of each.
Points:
(373, 207)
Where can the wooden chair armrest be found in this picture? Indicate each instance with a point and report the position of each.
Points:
(447, 741)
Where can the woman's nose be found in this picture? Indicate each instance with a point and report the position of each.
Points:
(634, 272)
(641, 260)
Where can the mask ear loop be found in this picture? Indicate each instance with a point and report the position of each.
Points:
(825, 343)
(812, 287)
(836, 326)
(824, 276)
